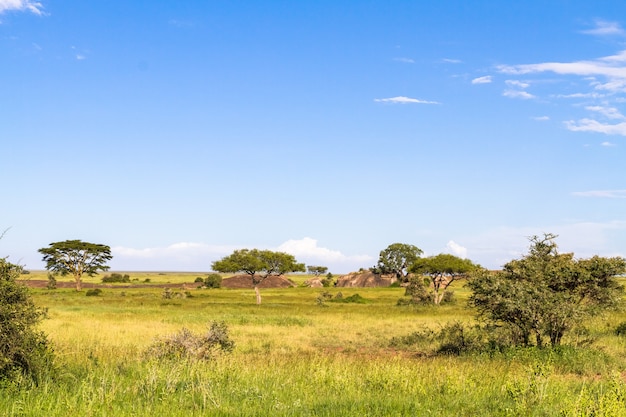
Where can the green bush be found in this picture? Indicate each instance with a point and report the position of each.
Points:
(23, 349)
(620, 330)
(187, 345)
(115, 277)
(52, 282)
(199, 279)
(93, 292)
(213, 280)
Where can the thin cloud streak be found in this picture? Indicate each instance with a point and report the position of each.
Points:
(487, 79)
(404, 100)
(601, 194)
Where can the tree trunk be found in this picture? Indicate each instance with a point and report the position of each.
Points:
(79, 284)
(258, 295)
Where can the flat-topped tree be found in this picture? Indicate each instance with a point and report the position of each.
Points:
(76, 258)
(442, 270)
(317, 270)
(259, 264)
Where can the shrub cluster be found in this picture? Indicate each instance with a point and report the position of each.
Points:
(187, 345)
(23, 349)
(115, 277)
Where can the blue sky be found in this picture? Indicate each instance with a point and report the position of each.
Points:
(175, 132)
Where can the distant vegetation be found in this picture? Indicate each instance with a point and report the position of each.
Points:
(544, 336)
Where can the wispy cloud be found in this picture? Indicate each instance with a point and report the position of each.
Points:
(601, 194)
(590, 125)
(517, 94)
(182, 256)
(483, 80)
(541, 118)
(405, 60)
(452, 61)
(21, 5)
(194, 256)
(607, 144)
(604, 78)
(609, 112)
(404, 100)
(604, 28)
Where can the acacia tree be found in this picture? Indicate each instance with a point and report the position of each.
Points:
(317, 270)
(259, 264)
(397, 258)
(546, 293)
(442, 270)
(77, 258)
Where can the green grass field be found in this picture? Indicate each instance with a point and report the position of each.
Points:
(294, 357)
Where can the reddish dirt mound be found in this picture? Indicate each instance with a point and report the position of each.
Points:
(245, 281)
(365, 279)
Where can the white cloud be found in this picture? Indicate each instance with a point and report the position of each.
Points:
(403, 100)
(590, 125)
(601, 194)
(541, 118)
(182, 256)
(457, 249)
(452, 61)
(516, 83)
(483, 80)
(21, 5)
(606, 67)
(80, 57)
(608, 144)
(405, 60)
(604, 28)
(306, 250)
(517, 94)
(610, 112)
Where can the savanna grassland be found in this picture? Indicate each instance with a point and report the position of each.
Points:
(297, 356)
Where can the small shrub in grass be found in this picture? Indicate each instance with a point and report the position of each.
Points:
(620, 330)
(213, 280)
(187, 345)
(115, 277)
(93, 292)
(198, 279)
(354, 298)
(52, 282)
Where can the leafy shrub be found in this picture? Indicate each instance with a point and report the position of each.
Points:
(354, 298)
(115, 277)
(213, 280)
(52, 282)
(187, 345)
(23, 350)
(451, 339)
(94, 292)
(198, 279)
(620, 330)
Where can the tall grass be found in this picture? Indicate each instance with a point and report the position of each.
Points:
(296, 358)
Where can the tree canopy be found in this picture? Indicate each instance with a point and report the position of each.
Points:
(259, 264)
(442, 270)
(545, 293)
(77, 258)
(317, 270)
(397, 258)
